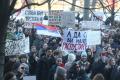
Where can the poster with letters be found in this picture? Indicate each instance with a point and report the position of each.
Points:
(33, 16)
(55, 17)
(74, 40)
(68, 19)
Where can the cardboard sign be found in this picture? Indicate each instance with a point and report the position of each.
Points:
(33, 15)
(55, 17)
(74, 40)
(68, 19)
(91, 24)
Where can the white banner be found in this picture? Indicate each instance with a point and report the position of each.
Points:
(74, 40)
(17, 47)
(91, 24)
(55, 17)
(68, 19)
(33, 15)
(93, 37)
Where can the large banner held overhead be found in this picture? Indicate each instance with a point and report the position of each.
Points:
(33, 15)
(55, 17)
(74, 40)
(68, 19)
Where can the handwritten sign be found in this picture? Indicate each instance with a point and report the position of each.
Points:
(17, 47)
(68, 19)
(33, 15)
(74, 40)
(55, 17)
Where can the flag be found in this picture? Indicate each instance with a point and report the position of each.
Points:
(47, 30)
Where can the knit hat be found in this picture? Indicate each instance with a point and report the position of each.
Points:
(83, 54)
(71, 57)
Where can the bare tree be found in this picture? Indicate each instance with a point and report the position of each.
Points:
(7, 9)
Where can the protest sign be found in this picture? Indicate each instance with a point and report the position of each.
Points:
(91, 24)
(93, 37)
(33, 15)
(28, 25)
(68, 19)
(74, 40)
(98, 16)
(13, 47)
(55, 17)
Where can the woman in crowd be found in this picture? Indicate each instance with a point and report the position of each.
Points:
(60, 74)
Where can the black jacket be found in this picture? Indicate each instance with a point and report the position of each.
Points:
(97, 67)
(43, 67)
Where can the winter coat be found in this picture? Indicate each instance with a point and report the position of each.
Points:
(98, 67)
(52, 72)
(74, 74)
(43, 67)
(32, 65)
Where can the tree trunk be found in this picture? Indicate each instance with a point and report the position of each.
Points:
(86, 11)
(73, 7)
(113, 13)
(49, 5)
(4, 17)
(94, 4)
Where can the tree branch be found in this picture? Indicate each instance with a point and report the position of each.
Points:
(27, 4)
(30, 4)
(88, 8)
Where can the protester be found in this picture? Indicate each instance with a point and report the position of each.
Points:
(98, 67)
(33, 60)
(54, 67)
(10, 65)
(44, 65)
(43, 50)
(10, 76)
(71, 59)
(60, 74)
(20, 72)
(98, 77)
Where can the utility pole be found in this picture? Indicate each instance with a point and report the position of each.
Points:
(112, 12)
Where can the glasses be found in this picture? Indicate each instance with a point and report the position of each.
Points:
(22, 68)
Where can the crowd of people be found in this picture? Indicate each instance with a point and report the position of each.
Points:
(47, 61)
